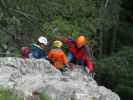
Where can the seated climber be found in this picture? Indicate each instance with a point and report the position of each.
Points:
(37, 51)
(57, 56)
(78, 52)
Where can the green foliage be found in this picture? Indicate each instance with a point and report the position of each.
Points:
(7, 95)
(59, 27)
(125, 35)
(23, 21)
(44, 96)
(108, 25)
(115, 72)
(125, 91)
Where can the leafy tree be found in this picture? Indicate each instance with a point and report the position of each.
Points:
(107, 25)
(115, 72)
(23, 21)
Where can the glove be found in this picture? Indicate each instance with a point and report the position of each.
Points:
(87, 69)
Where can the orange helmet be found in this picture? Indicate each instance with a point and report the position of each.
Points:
(81, 40)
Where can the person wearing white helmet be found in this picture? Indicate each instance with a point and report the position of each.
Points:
(38, 50)
(43, 40)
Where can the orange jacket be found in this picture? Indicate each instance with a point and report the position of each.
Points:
(58, 58)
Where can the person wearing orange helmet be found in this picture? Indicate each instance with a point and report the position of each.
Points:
(78, 51)
(81, 41)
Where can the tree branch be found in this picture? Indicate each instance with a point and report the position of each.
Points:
(106, 3)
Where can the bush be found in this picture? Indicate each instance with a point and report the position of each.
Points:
(115, 72)
(8, 95)
(125, 92)
(44, 95)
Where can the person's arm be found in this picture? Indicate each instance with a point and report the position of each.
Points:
(70, 56)
(68, 42)
(65, 60)
(50, 54)
(50, 57)
(89, 64)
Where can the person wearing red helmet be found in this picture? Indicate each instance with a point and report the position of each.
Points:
(78, 51)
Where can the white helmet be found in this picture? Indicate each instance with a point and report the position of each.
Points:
(43, 40)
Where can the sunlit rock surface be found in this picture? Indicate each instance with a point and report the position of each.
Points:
(28, 75)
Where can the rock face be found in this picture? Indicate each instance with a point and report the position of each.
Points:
(28, 75)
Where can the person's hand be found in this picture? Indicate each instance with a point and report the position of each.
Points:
(87, 69)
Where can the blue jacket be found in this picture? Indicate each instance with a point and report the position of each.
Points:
(37, 52)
